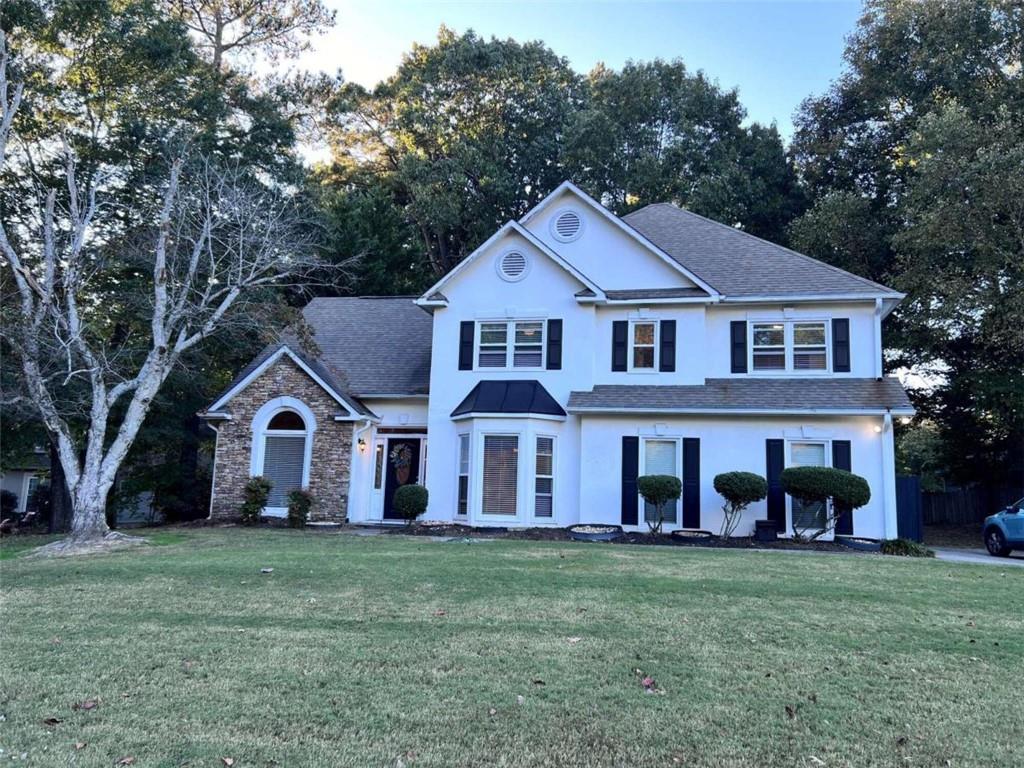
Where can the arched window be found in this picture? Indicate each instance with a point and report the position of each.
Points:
(282, 449)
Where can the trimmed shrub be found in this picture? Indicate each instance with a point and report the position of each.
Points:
(740, 490)
(257, 491)
(845, 490)
(659, 490)
(299, 505)
(905, 548)
(410, 501)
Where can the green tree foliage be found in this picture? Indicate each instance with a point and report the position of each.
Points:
(658, 491)
(740, 490)
(655, 132)
(914, 160)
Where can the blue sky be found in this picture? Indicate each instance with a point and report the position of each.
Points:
(776, 53)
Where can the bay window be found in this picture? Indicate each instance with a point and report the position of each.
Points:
(544, 476)
(500, 475)
(462, 507)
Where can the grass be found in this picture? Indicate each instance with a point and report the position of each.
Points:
(387, 650)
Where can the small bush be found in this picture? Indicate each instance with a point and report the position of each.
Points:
(299, 505)
(257, 491)
(659, 490)
(905, 548)
(740, 490)
(410, 501)
(8, 504)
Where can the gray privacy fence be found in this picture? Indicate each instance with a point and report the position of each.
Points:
(966, 505)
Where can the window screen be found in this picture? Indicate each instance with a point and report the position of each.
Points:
(501, 466)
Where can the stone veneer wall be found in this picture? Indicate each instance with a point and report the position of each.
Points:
(332, 443)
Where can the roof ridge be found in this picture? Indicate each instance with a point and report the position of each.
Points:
(803, 256)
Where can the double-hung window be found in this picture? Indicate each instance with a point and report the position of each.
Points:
(643, 337)
(463, 502)
(661, 457)
(789, 346)
(544, 477)
(808, 516)
(510, 344)
(500, 475)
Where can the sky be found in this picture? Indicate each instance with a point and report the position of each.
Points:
(775, 53)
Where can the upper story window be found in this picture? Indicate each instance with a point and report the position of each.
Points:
(789, 346)
(510, 344)
(643, 347)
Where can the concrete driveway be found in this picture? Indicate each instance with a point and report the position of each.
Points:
(978, 557)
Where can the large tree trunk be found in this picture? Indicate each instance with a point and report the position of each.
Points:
(90, 510)
(60, 498)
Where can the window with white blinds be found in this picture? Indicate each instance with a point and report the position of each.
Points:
(526, 349)
(661, 457)
(544, 477)
(501, 474)
(283, 459)
(463, 503)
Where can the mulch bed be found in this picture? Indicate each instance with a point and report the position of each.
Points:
(638, 538)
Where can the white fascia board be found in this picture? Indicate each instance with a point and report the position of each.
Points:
(645, 302)
(486, 415)
(256, 372)
(511, 226)
(611, 411)
(214, 416)
(370, 419)
(820, 297)
(623, 226)
(392, 397)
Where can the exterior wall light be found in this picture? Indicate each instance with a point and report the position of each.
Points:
(878, 429)
(362, 445)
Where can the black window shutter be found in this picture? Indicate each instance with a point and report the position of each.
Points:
(667, 358)
(630, 470)
(620, 334)
(775, 460)
(841, 459)
(738, 345)
(691, 482)
(466, 329)
(841, 344)
(554, 345)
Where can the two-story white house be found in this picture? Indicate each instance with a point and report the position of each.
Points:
(569, 354)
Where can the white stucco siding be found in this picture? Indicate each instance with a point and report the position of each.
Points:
(865, 346)
(691, 349)
(604, 252)
(728, 444)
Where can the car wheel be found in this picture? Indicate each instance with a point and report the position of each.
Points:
(995, 543)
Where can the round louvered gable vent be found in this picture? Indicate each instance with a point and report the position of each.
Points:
(567, 226)
(513, 266)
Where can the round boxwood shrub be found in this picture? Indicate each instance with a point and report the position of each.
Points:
(410, 501)
(659, 490)
(299, 504)
(823, 483)
(256, 493)
(740, 490)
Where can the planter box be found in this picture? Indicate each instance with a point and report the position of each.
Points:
(610, 533)
(699, 536)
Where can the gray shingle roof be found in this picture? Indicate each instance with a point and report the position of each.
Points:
(381, 343)
(738, 264)
(783, 395)
(657, 293)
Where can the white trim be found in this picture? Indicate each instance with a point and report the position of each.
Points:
(499, 265)
(510, 344)
(511, 226)
(642, 470)
(623, 226)
(393, 397)
(259, 440)
(488, 415)
(677, 300)
(744, 411)
(258, 370)
(553, 224)
(788, 347)
(542, 520)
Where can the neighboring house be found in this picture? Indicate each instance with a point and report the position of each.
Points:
(569, 354)
(24, 476)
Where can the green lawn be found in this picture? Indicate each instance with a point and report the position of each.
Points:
(384, 651)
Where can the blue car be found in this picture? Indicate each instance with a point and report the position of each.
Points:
(1004, 531)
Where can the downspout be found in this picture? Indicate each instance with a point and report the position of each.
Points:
(213, 471)
(878, 340)
(889, 477)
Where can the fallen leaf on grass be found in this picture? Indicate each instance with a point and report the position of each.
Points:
(791, 711)
(537, 681)
(266, 570)
(228, 761)
(87, 704)
(126, 761)
(440, 612)
(81, 744)
(520, 699)
(817, 760)
(52, 721)
(186, 666)
(492, 711)
(573, 640)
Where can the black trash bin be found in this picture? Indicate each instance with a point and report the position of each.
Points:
(766, 530)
